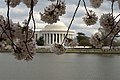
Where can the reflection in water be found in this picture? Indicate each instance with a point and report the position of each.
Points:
(62, 67)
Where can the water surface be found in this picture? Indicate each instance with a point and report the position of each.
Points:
(63, 67)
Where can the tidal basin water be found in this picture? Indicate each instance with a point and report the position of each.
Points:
(63, 67)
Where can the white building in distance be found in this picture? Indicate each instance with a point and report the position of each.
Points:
(54, 33)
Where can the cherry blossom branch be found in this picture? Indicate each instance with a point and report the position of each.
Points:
(34, 24)
(113, 38)
(112, 7)
(110, 31)
(86, 7)
(8, 7)
(71, 21)
(117, 16)
(13, 44)
(28, 50)
(8, 24)
(28, 21)
(8, 18)
(27, 27)
(58, 1)
(113, 20)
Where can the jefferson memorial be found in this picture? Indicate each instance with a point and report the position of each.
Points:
(54, 33)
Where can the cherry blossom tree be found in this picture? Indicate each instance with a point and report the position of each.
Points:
(22, 37)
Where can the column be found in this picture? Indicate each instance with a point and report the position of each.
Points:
(50, 38)
(69, 35)
(53, 38)
(62, 37)
(46, 38)
(60, 40)
(43, 37)
(56, 38)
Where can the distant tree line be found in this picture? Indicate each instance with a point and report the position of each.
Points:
(40, 41)
(83, 40)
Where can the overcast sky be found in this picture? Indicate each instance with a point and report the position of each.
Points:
(20, 13)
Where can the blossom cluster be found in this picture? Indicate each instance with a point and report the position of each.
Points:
(107, 21)
(14, 3)
(95, 40)
(58, 49)
(70, 42)
(23, 52)
(19, 37)
(52, 12)
(90, 18)
(2, 45)
(96, 3)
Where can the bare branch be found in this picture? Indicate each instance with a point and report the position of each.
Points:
(72, 20)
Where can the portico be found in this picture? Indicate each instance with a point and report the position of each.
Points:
(55, 33)
(54, 37)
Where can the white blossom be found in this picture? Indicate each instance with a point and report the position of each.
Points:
(2, 23)
(91, 18)
(8, 47)
(14, 3)
(2, 45)
(107, 20)
(4, 28)
(23, 44)
(96, 40)
(57, 49)
(52, 12)
(70, 42)
(25, 53)
(108, 23)
(17, 31)
(28, 3)
(96, 3)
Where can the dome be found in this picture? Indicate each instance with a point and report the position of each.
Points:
(55, 26)
(55, 33)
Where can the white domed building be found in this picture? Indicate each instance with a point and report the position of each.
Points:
(54, 33)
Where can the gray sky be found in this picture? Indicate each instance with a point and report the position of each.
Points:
(19, 13)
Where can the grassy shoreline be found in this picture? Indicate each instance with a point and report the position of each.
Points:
(73, 50)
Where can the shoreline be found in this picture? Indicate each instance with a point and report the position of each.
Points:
(74, 50)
